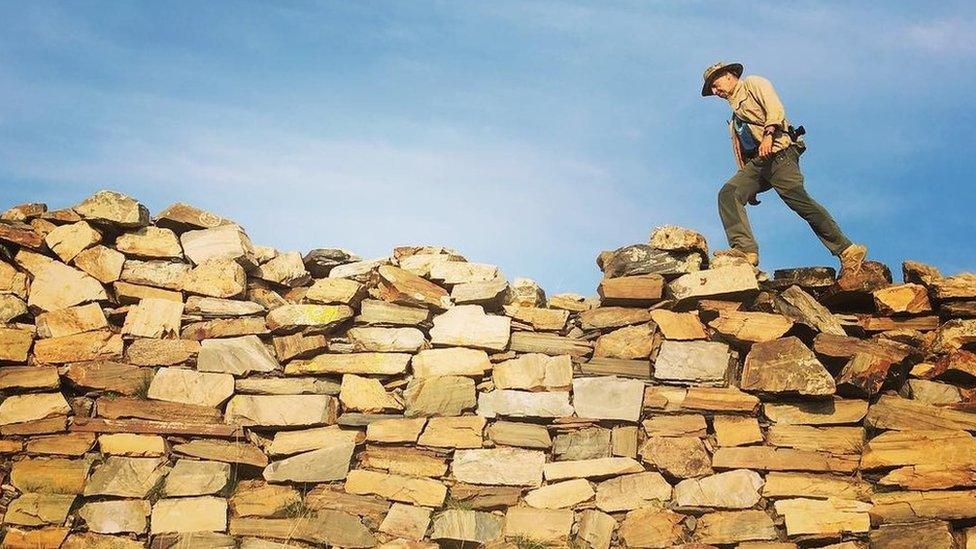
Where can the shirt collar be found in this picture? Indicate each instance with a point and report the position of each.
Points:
(738, 94)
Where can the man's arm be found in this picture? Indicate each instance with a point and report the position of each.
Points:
(767, 97)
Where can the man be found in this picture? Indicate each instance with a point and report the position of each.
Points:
(767, 151)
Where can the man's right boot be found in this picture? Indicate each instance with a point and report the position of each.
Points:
(851, 259)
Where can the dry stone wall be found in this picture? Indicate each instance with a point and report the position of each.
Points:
(166, 383)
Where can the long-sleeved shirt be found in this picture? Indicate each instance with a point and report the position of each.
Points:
(755, 102)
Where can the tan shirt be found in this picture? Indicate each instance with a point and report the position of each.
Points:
(755, 101)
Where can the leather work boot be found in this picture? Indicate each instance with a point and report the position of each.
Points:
(751, 257)
(851, 258)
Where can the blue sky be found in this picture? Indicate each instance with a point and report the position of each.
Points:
(528, 134)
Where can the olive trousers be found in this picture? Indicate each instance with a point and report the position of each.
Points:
(780, 171)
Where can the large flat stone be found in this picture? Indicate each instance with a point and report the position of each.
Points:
(738, 282)
(150, 242)
(453, 432)
(154, 318)
(304, 440)
(31, 407)
(196, 478)
(785, 366)
(325, 464)
(96, 345)
(238, 356)
(281, 410)
(591, 468)
(439, 396)
(737, 489)
(57, 286)
(386, 340)
(294, 317)
(116, 516)
(652, 527)
(692, 362)
(352, 363)
(452, 361)
(469, 326)
(534, 372)
(405, 288)
(467, 525)
(539, 525)
(223, 242)
(418, 491)
(113, 208)
(50, 475)
(125, 477)
(39, 509)
(217, 278)
(15, 344)
(70, 321)
(199, 514)
(608, 398)
(510, 403)
(286, 269)
(627, 492)
(364, 394)
(560, 494)
(191, 387)
(501, 466)
(67, 241)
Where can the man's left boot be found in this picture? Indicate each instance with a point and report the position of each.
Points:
(851, 259)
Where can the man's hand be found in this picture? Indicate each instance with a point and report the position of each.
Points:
(766, 146)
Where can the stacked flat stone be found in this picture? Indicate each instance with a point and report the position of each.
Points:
(167, 383)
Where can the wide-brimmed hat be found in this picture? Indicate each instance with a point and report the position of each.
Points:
(716, 70)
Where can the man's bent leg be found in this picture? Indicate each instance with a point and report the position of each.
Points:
(786, 178)
(732, 199)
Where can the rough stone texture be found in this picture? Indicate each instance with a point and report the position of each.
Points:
(785, 366)
(281, 410)
(631, 342)
(151, 242)
(21, 408)
(608, 398)
(290, 318)
(238, 356)
(534, 372)
(469, 326)
(723, 283)
(113, 208)
(345, 420)
(286, 269)
(439, 396)
(508, 403)
(501, 466)
(223, 242)
(325, 464)
(116, 517)
(57, 286)
(220, 278)
(632, 491)
(737, 489)
(125, 477)
(200, 514)
(366, 395)
(454, 361)
(154, 318)
(189, 387)
(67, 241)
(465, 525)
(196, 478)
(692, 362)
